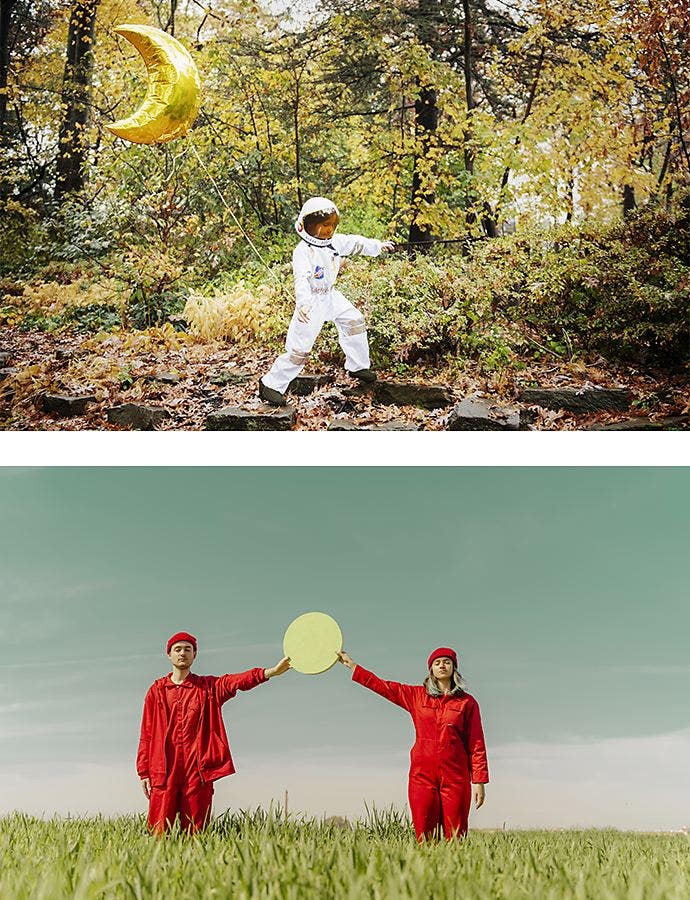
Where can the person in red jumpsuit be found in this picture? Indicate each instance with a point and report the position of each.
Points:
(183, 747)
(448, 760)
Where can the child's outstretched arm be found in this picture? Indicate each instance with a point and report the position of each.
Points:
(353, 244)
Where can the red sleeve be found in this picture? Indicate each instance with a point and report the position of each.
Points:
(476, 747)
(400, 694)
(143, 756)
(228, 685)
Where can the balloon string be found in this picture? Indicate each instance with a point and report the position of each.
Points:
(235, 219)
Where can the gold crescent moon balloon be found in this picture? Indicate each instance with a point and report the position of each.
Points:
(173, 97)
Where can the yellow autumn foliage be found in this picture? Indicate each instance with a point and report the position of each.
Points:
(132, 343)
(239, 315)
(53, 297)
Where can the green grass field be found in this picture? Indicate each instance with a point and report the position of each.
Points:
(256, 855)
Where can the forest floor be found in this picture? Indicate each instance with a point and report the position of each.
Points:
(188, 380)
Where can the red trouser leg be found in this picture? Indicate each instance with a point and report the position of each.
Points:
(425, 803)
(455, 806)
(192, 805)
(195, 807)
(164, 805)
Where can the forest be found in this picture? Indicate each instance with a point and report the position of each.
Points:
(530, 161)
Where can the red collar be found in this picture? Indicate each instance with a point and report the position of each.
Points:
(169, 683)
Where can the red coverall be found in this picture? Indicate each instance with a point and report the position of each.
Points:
(447, 757)
(183, 746)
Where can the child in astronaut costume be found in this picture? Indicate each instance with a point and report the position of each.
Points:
(315, 263)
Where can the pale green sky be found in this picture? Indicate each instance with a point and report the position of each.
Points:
(564, 591)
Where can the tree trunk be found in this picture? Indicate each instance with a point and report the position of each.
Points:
(488, 220)
(5, 15)
(667, 160)
(297, 75)
(426, 114)
(629, 203)
(426, 122)
(76, 98)
(516, 143)
(298, 169)
(469, 94)
(170, 24)
(677, 104)
(570, 199)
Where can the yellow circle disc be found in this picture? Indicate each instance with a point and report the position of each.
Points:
(312, 641)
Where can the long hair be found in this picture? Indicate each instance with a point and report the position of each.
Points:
(433, 688)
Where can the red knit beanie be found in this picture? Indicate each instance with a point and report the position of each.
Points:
(181, 636)
(443, 651)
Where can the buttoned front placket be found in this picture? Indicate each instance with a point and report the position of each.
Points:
(181, 742)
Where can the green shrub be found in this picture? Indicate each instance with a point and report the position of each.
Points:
(623, 292)
(619, 291)
(427, 309)
(20, 233)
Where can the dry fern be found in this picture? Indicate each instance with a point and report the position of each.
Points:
(239, 315)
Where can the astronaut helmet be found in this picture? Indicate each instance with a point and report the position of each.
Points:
(318, 221)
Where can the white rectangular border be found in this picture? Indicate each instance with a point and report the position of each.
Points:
(95, 448)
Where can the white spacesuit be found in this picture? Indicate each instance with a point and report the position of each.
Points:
(315, 264)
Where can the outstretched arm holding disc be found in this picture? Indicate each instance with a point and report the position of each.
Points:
(278, 669)
(400, 694)
(183, 746)
(448, 765)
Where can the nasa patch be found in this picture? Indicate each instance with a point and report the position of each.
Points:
(318, 272)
